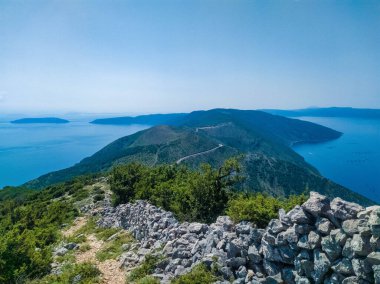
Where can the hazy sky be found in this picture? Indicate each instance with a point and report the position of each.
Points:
(165, 56)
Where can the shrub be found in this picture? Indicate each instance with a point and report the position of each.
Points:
(84, 247)
(88, 273)
(148, 280)
(146, 268)
(191, 195)
(198, 275)
(260, 208)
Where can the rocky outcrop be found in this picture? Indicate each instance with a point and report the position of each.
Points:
(321, 241)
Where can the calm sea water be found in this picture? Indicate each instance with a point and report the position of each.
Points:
(28, 151)
(352, 160)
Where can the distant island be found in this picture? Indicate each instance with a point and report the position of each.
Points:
(40, 120)
(329, 112)
(150, 119)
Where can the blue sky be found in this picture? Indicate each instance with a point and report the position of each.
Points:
(167, 56)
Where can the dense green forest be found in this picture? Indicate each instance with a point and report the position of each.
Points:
(31, 221)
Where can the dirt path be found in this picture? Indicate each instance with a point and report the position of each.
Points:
(110, 269)
(198, 154)
(78, 223)
(89, 255)
(112, 274)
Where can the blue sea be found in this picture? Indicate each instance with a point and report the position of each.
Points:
(28, 151)
(353, 160)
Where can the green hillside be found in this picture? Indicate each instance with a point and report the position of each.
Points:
(261, 140)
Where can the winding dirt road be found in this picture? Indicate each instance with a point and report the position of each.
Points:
(199, 153)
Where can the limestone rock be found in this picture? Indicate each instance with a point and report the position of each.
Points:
(324, 226)
(298, 215)
(344, 266)
(373, 258)
(254, 255)
(345, 210)
(321, 266)
(316, 204)
(376, 274)
(197, 228)
(331, 247)
(360, 245)
(362, 268)
(351, 226)
(314, 240)
(374, 222)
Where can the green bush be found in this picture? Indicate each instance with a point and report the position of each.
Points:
(88, 273)
(190, 194)
(198, 275)
(148, 280)
(145, 269)
(259, 208)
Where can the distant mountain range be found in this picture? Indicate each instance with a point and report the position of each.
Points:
(262, 140)
(40, 120)
(329, 112)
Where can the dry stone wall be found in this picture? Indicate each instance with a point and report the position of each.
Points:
(321, 241)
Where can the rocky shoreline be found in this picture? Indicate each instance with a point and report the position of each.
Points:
(321, 241)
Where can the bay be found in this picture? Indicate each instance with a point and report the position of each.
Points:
(353, 160)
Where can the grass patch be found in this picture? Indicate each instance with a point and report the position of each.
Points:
(84, 247)
(86, 273)
(113, 249)
(78, 239)
(101, 233)
(98, 189)
(105, 233)
(198, 275)
(69, 257)
(88, 228)
(146, 268)
(148, 280)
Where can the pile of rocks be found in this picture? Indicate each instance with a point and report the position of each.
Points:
(321, 241)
